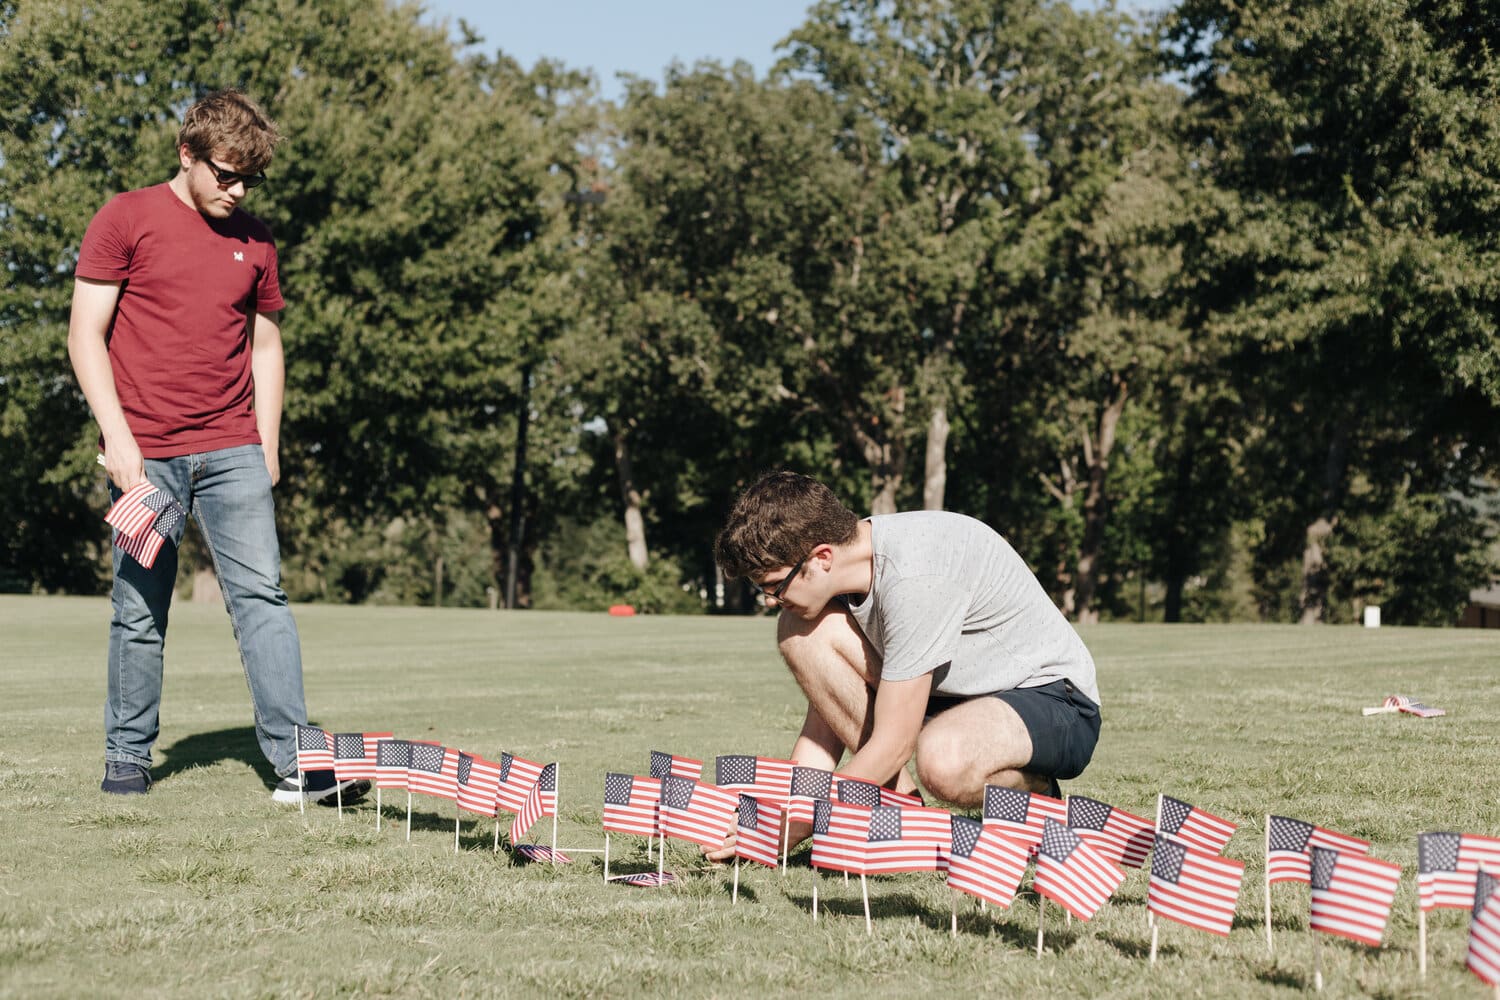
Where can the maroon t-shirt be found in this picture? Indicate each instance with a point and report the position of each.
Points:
(179, 341)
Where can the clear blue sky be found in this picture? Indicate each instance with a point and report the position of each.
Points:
(613, 36)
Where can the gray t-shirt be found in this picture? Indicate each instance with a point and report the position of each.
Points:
(951, 596)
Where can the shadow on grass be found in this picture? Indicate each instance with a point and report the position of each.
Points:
(207, 749)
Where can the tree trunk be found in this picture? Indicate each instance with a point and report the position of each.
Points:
(1313, 598)
(635, 523)
(935, 481)
(1096, 454)
(1179, 536)
(518, 490)
(884, 452)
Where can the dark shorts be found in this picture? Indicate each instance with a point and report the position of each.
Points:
(1063, 724)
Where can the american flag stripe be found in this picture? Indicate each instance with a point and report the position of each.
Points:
(985, 863)
(129, 514)
(536, 805)
(808, 785)
(767, 778)
(1352, 894)
(143, 548)
(630, 803)
(433, 770)
(354, 755)
(517, 775)
(1119, 836)
(476, 781)
(665, 765)
(1071, 873)
(1446, 867)
(758, 831)
(693, 811)
(1021, 815)
(1290, 840)
(1196, 888)
(858, 839)
(314, 748)
(1483, 958)
(392, 757)
(1195, 827)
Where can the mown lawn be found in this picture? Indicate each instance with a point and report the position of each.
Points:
(206, 888)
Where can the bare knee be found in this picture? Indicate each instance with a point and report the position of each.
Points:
(946, 768)
(829, 642)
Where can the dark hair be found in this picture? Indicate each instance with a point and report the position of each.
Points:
(778, 521)
(227, 120)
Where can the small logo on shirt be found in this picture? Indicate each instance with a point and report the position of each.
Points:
(239, 255)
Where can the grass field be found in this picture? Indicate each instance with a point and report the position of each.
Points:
(206, 888)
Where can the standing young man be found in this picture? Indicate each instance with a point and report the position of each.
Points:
(175, 340)
(918, 634)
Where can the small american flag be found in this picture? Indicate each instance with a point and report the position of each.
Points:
(1287, 858)
(1402, 703)
(891, 797)
(1197, 888)
(1021, 815)
(691, 810)
(392, 758)
(1122, 837)
(984, 862)
(476, 781)
(130, 514)
(354, 755)
(878, 839)
(630, 803)
(1352, 894)
(1195, 827)
(665, 764)
(541, 800)
(433, 770)
(314, 749)
(857, 792)
(517, 775)
(1484, 932)
(808, 785)
(645, 880)
(758, 831)
(143, 548)
(766, 778)
(1446, 867)
(1071, 873)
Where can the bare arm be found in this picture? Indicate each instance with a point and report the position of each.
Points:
(88, 324)
(268, 369)
(900, 707)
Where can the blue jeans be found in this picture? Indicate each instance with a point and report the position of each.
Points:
(228, 494)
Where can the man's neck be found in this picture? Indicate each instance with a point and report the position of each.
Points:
(179, 186)
(854, 564)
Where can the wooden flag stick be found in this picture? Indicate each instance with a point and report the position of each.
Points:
(953, 913)
(1270, 948)
(735, 896)
(1421, 938)
(377, 808)
(556, 807)
(786, 836)
(1154, 931)
(497, 831)
(301, 792)
(338, 791)
(1150, 914)
(1317, 961)
(815, 895)
(661, 860)
(408, 815)
(1041, 922)
(457, 818)
(865, 892)
(606, 854)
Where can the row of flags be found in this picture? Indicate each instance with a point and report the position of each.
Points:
(144, 518)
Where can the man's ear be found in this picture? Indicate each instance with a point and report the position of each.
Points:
(184, 158)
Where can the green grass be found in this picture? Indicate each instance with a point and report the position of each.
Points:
(205, 888)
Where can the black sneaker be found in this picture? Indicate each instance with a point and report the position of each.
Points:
(1054, 789)
(318, 786)
(122, 777)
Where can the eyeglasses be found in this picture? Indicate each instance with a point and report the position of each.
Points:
(775, 592)
(228, 178)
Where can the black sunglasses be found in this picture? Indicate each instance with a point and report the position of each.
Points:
(228, 178)
(775, 592)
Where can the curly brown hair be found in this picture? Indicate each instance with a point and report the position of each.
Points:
(231, 124)
(778, 521)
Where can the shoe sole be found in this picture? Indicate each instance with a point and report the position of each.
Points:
(352, 789)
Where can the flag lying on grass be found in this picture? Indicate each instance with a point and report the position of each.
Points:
(1071, 873)
(1119, 836)
(517, 775)
(664, 764)
(1484, 931)
(985, 862)
(392, 757)
(630, 803)
(433, 770)
(866, 840)
(1447, 864)
(541, 800)
(766, 778)
(1197, 828)
(475, 784)
(1352, 894)
(354, 755)
(130, 514)
(645, 880)
(758, 831)
(691, 810)
(1021, 815)
(1402, 703)
(1289, 843)
(314, 749)
(1197, 888)
(808, 785)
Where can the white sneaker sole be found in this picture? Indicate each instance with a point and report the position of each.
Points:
(291, 797)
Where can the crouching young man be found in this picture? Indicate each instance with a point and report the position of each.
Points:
(915, 634)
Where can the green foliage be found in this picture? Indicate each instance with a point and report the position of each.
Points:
(584, 567)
